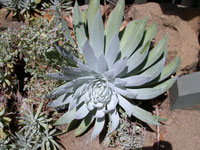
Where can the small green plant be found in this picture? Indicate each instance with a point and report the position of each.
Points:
(30, 49)
(4, 121)
(36, 132)
(118, 70)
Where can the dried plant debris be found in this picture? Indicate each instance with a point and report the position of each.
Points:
(129, 135)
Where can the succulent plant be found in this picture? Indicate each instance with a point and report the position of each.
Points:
(36, 132)
(48, 140)
(33, 121)
(21, 8)
(118, 70)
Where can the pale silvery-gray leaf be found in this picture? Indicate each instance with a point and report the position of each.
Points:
(112, 50)
(101, 64)
(98, 127)
(114, 118)
(61, 100)
(81, 112)
(89, 55)
(97, 35)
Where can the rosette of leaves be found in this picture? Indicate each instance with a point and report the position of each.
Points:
(33, 121)
(48, 140)
(21, 8)
(36, 132)
(119, 68)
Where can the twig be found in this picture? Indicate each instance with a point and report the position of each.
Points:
(158, 129)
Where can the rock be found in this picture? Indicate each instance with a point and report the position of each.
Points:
(181, 24)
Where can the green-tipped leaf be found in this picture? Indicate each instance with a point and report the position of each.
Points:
(78, 26)
(114, 21)
(66, 118)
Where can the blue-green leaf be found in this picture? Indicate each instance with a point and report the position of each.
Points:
(66, 118)
(89, 56)
(101, 64)
(114, 21)
(144, 115)
(132, 37)
(152, 92)
(114, 118)
(78, 26)
(66, 31)
(86, 122)
(97, 35)
(98, 127)
(112, 50)
(92, 11)
(146, 76)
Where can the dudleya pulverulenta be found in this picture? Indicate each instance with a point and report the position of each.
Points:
(118, 69)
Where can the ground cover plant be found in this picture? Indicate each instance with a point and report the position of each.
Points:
(118, 70)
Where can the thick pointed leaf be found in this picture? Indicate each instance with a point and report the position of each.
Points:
(89, 56)
(75, 72)
(152, 92)
(97, 35)
(114, 21)
(92, 11)
(119, 82)
(145, 115)
(100, 113)
(81, 112)
(60, 76)
(168, 70)
(138, 57)
(125, 104)
(101, 64)
(150, 32)
(114, 118)
(61, 100)
(78, 26)
(66, 31)
(66, 118)
(119, 67)
(155, 53)
(98, 127)
(146, 76)
(126, 93)
(39, 109)
(112, 50)
(71, 58)
(86, 68)
(112, 104)
(132, 37)
(109, 74)
(84, 124)
(69, 87)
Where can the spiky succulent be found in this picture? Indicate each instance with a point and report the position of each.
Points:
(118, 69)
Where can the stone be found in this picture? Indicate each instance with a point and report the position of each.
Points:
(185, 93)
(182, 25)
